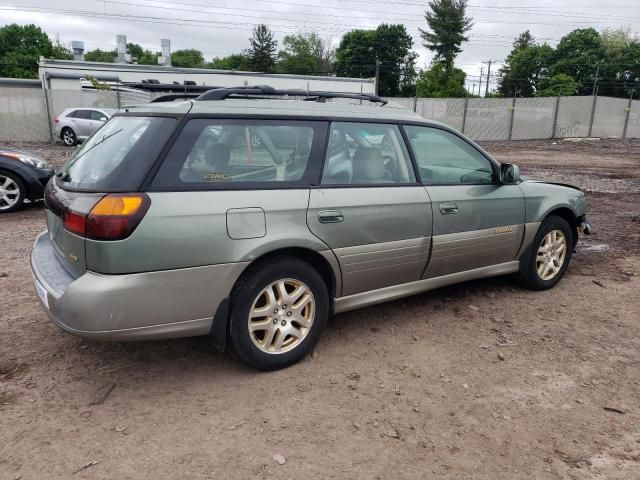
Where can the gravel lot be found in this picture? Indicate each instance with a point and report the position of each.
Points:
(483, 380)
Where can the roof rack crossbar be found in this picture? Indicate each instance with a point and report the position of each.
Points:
(224, 93)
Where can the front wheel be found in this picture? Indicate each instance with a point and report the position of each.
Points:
(12, 192)
(548, 257)
(278, 311)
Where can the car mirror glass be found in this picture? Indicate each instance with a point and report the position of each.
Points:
(509, 173)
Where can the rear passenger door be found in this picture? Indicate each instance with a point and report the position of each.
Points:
(82, 123)
(369, 208)
(477, 221)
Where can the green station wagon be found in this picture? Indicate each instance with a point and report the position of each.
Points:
(252, 214)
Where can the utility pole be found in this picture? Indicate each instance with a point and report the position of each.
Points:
(377, 74)
(594, 93)
(628, 111)
(595, 80)
(486, 89)
(480, 86)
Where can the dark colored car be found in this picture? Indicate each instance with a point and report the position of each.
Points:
(22, 177)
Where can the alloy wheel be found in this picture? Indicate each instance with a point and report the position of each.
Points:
(9, 193)
(68, 137)
(281, 316)
(551, 254)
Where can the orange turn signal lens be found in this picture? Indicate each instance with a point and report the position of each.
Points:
(124, 205)
(116, 216)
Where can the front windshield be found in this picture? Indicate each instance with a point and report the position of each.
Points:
(118, 154)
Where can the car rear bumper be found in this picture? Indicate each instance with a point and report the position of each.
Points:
(140, 306)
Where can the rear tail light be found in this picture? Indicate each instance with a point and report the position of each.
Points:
(114, 217)
(57, 120)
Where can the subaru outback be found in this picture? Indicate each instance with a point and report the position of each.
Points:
(253, 214)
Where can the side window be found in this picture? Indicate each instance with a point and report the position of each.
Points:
(443, 157)
(96, 115)
(218, 152)
(366, 153)
(83, 114)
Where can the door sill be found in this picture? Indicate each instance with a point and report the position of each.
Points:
(386, 294)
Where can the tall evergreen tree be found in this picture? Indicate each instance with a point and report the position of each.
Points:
(262, 50)
(448, 25)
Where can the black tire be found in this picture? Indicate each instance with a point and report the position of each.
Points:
(245, 293)
(68, 137)
(21, 192)
(528, 275)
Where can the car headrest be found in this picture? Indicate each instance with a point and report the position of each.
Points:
(218, 155)
(368, 165)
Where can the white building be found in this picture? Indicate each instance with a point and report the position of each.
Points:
(72, 75)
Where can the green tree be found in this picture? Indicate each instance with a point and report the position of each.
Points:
(21, 46)
(59, 50)
(437, 82)
(397, 61)
(620, 72)
(306, 54)
(448, 24)
(262, 49)
(559, 84)
(527, 69)
(98, 55)
(356, 55)
(142, 56)
(508, 83)
(389, 44)
(236, 61)
(578, 55)
(188, 58)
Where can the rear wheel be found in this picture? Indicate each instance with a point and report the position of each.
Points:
(12, 192)
(278, 311)
(68, 137)
(548, 257)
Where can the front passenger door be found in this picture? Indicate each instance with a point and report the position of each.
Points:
(477, 221)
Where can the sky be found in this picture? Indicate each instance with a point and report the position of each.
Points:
(222, 27)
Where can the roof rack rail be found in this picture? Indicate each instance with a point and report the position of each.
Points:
(175, 96)
(258, 90)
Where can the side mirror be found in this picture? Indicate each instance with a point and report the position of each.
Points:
(103, 119)
(509, 174)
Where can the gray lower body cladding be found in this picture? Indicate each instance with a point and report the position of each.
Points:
(152, 305)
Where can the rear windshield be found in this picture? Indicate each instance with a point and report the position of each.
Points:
(118, 156)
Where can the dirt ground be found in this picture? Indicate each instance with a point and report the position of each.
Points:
(483, 380)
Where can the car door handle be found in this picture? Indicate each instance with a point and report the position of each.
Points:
(330, 216)
(448, 208)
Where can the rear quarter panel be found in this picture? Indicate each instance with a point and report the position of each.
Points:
(190, 229)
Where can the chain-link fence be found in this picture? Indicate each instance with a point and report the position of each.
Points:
(633, 123)
(28, 114)
(23, 115)
(532, 118)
